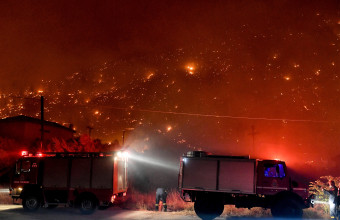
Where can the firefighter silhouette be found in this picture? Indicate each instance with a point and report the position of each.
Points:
(161, 195)
(332, 198)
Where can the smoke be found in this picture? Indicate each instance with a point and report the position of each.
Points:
(241, 51)
(153, 162)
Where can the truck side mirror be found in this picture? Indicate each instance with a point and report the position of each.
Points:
(294, 183)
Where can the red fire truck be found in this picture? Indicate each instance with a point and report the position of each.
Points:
(81, 180)
(212, 181)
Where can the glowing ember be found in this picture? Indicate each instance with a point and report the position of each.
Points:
(287, 78)
(190, 69)
(169, 128)
(149, 76)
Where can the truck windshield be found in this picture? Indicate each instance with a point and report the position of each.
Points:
(274, 170)
(26, 166)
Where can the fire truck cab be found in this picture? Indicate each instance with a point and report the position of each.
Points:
(81, 180)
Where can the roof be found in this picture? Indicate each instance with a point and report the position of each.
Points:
(24, 118)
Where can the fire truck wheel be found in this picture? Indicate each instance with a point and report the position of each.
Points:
(208, 208)
(31, 203)
(87, 205)
(287, 208)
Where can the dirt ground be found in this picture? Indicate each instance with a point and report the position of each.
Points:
(16, 212)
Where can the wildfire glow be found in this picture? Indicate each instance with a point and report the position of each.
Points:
(150, 75)
(287, 78)
(190, 69)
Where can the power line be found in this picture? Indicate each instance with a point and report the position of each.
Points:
(206, 115)
(214, 116)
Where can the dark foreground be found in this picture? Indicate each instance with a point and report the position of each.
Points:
(16, 212)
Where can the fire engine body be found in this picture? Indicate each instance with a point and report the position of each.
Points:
(211, 181)
(83, 180)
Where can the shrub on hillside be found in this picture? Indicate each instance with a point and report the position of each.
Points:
(146, 201)
(316, 188)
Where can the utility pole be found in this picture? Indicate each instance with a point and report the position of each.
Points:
(125, 130)
(253, 133)
(41, 117)
(123, 136)
(90, 130)
(42, 122)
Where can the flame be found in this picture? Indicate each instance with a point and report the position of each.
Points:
(150, 75)
(190, 69)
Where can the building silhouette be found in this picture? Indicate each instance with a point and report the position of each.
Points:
(27, 130)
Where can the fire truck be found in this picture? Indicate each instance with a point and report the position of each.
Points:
(82, 180)
(212, 181)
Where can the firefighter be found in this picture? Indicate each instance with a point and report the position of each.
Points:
(161, 195)
(332, 199)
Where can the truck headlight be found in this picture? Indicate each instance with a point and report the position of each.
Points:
(123, 154)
